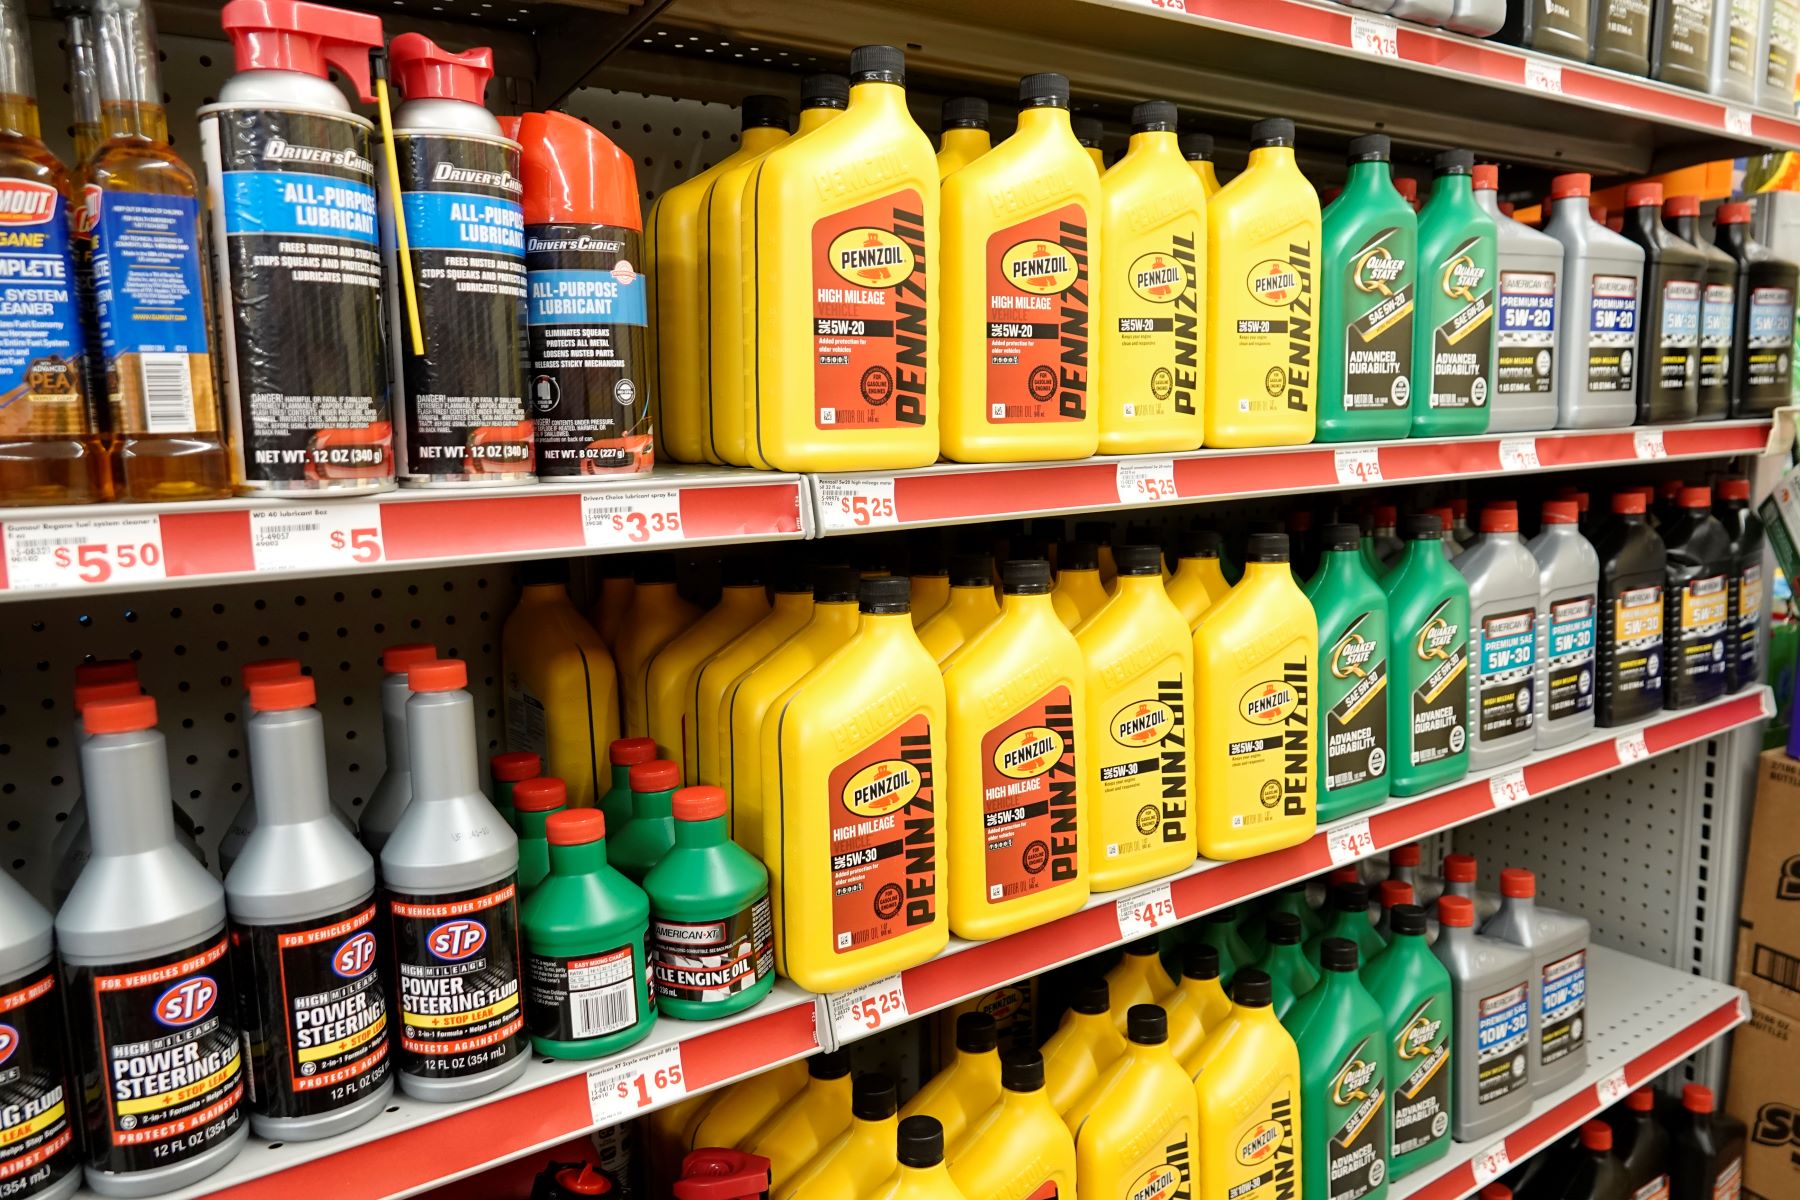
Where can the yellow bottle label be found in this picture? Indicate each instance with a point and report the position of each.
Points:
(884, 839)
(1143, 771)
(1157, 348)
(1270, 754)
(1263, 1164)
(1037, 319)
(1028, 793)
(1164, 1172)
(869, 278)
(1274, 329)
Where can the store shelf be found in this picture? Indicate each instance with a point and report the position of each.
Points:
(1642, 1019)
(968, 969)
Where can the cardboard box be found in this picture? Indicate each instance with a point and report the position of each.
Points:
(1765, 1095)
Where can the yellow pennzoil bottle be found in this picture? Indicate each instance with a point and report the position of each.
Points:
(657, 613)
(809, 1121)
(1197, 148)
(1137, 1129)
(669, 675)
(1019, 1149)
(965, 134)
(708, 711)
(1079, 591)
(969, 610)
(1019, 266)
(1262, 247)
(1083, 1046)
(1199, 581)
(1151, 331)
(1247, 1082)
(969, 1086)
(845, 233)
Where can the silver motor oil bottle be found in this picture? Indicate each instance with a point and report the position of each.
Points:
(297, 261)
(1603, 278)
(393, 791)
(302, 905)
(1558, 944)
(1718, 296)
(1778, 45)
(243, 821)
(150, 996)
(1568, 624)
(1490, 997)
(1737, 31)
(39, 1156)
(461, 413)
(1478, 18)
(1503, 606)
(1530, 293)
(449, 876)
(1424, 12)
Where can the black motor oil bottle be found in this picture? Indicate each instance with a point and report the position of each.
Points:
(1643, 1145)
(1632, 565)
(1743, 648)
(1697, 597)
(1763, 332)
(1707, 1162)
(1681, 214)
(1597, 1173)
(1668, 381)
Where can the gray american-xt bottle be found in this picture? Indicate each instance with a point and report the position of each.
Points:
(1568, 625)
(145, 960)
(1603, 278)
(1558, 945)
(39, 1155)
(303, 918)
(1503, 604)
(449, 877)
(1528, 298)
(393, 791)
(1490, 999)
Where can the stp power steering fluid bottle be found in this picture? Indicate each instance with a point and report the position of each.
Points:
(38, 1154)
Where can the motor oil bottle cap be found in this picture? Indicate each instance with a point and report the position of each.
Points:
(1408, 187)
(1093, 997)
(628, 752)
(515, 765)
(972, 570)
(438, 675)
(1394, 892)
(835, 584)
(1697, 1097)
(824, 91)
(1337, 954)
(1282, 929)
(1154, 116)
(424, 70)
(1446, 518)
(1420, 526)
(1696, 497)
(1078, 556)
(571, 173)
(701, 803)
(1407, 919)
(764, 112)
(281, 695)
(1025, 577)
(1643, 1100)
(1734, 487)
(575, 827)
(1199, 961)
(1371, 147)
(1220, 916)
(1560, 512)
(1146, 1024)
(1460, 868)
(920, 1142)
(657, 775)
(1732, 214)
(1385, 515)
(543, 793)
(1408, 854)
(1271, 131)
(1453, 162)
(880, 64)
(1681, 206)
(714, 1174)
(1251, 988)
(886, 595)
(1458, 912)
(1518, 883)
(1201, 543)
(396, 660)
(1138, 560)
(1300, 520)
(976, 1033)
(1345, 874)
(1266, 548)
(1597, 1135)
(1495, 1191)
(1495, 519)
(1022, 1070)
(287, 35)
(1046, 89)
(126, 715)
(1195, 145)
(1341, 537)
(1485, 177)
(585, 1180)
(966, 112)
(263, 669)
(1089, 131)
(1628, 502)
(92, 693)
(1142, 948)
(834, 1065)
(1640, 195)
(1575, 183)
(873, 1097)
(1350, 897)
(106, 670)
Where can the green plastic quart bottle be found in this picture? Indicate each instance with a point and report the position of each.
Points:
(587, 981)
(1352, 611)
(1345, 1070)
(1291, 976)
(1412, 989)
(623, 754)
(533, 801)
(1453, 335)
(1219, 930)
(712, 934)
(1428, 697)
(509, 770)
(1290, 899)
(1366, 303)
(651, 831)
(1348, 907)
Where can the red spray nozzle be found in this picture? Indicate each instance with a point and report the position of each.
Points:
(426, 71)
(711, 1174)
(288, 35)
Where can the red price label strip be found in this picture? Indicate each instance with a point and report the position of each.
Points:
(83, 552)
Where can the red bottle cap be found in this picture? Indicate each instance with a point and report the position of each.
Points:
(1628, 502)
(1597, 1135)
(1681, 206)
(1696, 497)
(1518, 883)
(1347, 874)
(1734, 488)
(585, 1180)
(396, 660)
(722, 1175)
(1669, 488)
(1732, 214)
(286, 35)
(1459, 868)
(658, 775)
(93, 693)
(106, 670)
(438, 675)
(119, 716)
(1576, 183)
(1394, 891)
(1386, 514)
(1408, 187)
(703, 803)
(628, 752)
(1300, 520)
(424, 70)
(1485, 177)
(541, 794)
(1640, 194)
(1697, 1097)
(1495, 519)
(1495, 1191)
(280, 695)
(1560, 512)
(573, 173)
(265, 669)
(1459, 505)
(574, 827)
(1642, 1100)
(1506, 208)
(1445, 517)
(1458, 912)
(515, 765)
(1407, 855)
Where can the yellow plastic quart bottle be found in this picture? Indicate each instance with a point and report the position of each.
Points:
(858, 1160)
(808, 1122)
(1079, 593)
(1262, 341)
(921, 1173)
(1089, 131)
(970, 608)
(1199, 582)
(1019, 1149)
(789, 614)
(741, 1108)
(1247, 1084)
(562, 694)
(663, 1133)
(930, 589)
(1197, 148)
(1012, 1005)
(677, 272)
(1083, 1046)
(850, 761)
(1200, 991)
(1152, 326)
(969, 1086)
(1136, 1129)
(658, 612)
(610, 609)
(844, 224)
(1256, 676)
(1137, 776)
(1020, 260)
(1138, 978)
(1017, 717)
(669, 676)
(965, 134)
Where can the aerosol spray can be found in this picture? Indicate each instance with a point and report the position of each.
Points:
(38, 1155)
(462, 410)
(291, 189)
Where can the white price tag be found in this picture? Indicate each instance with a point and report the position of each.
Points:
(301, 539)
(1543, 76)
(1612, 1089)
(857, 503)
(1357, 464)
(1518, 454)
(1508, 789)
(1147, 481)
(862, 1010)
(1179, 6)
(623, 1087)
(1145, 912)
(1350, 842)
(1737, 121)
(1631, 748)
(612, 520)
(83, 550)
(1373, 35)
(1490, 1164)
(1648, 443)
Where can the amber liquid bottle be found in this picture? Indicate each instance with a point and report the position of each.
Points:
(49, 453)
(144, 210)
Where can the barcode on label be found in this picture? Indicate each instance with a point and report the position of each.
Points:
(602, 1010)
(168, 393)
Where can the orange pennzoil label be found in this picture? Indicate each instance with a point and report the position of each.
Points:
(883, 839)
(869, 342)
(1037, 319)
(1028, 798)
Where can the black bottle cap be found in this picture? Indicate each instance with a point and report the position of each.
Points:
(793, 574)
(1093, 996)
(1142, 948)
(1200, 961)
(921, 1139)
(1453, 162)
(1089, 130)
(824, 91)
(1025, 577)
(878, 64)
(834, 1065)
(765, 112)
(1046, 89)
(1341, 537)
(887, 594)
(835, 584)
(1371, 147)
(1266, 527)
(1220, 916)
(1350, 897)
(1283, 929)
(1267, 548)
(543, 570)
(1201, 543)
(1407, 919)
(1146, 1024)
(1419, 526)
(1138, 560)
(1097, 532)
(1251, 988)
(976, 1033)
(1337, 954)
(654, 568)
(1196, 146)
(1154, 116)
(1022, 1070)
(1272, 131)
(965, 112)
(1078, 556)
(740, 572)
(873, 1097)
(971, 570)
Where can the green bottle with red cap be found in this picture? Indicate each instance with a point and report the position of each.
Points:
(533, 802)
(509, 770)
(712, 936)
(587, 985)
(650, 833)
(624, 754)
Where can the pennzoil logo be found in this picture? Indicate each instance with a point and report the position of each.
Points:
(1002, 1004)
(1157, 277)
(1259, 1143)
(1354, 1080)
(1275, 282)
(1351, 656)
(1418, 1038)
(881, 787)
(1268, 702)
(1144, 723)
(871, 258)
(23, 202)
(1028, 753)
(1158, 1183)
(1435, 638)
(1040, 267)
(1462, 275)
(1376, 270)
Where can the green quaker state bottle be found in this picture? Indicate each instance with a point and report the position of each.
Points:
(1341, 1034)
(1453, 335)
(1412, 989)
(1428, 702)
(1353, 676)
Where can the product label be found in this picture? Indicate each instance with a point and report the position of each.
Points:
(1037, 319)
(1685, 31)
(147, 292)
(161, 1059)
(1506, 658)
(1699, 612)
(1440, 701)
(302, 294)
(1680, 333)
(37, 1127)
(1715, 334)
(1746, 610)
(1631, 660)
(43, 386)
(588, 353)
(1569, 643)
(1656, 1189)
(1262, 1162)
(1779, 68)
(884, 838)
(1356, 727)
(1159, 329)
(1612, 333)
(1045, 1191)
(464, 413)
(1769, 337)
(527, 724)
(1378, 335)
(1526, 359)
(457, 957)
(704, 962)
(1142, 765)
(1356, 1156)
(1028, 797)
(1164, 1170)
(1564, 1007)
(1729, 1184)
(1422, 1077)
(568, 998)
(1272, 336)
(1462, 345)
(1624, 25)
(1269, 757)
(315, 1012)
(869, 280)
(1502, 1028)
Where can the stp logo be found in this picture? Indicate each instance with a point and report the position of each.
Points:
(9, 1041)
(187, 1001)
(456, 940)
(355, 956)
